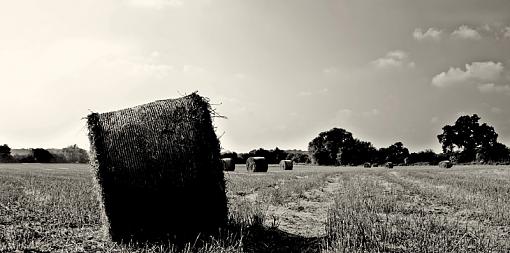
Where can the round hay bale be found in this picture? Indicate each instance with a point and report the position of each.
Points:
(286, 164)
(367, 165)
(157, 168)
(445, 164)
(228, 164)
(388, 165)
(256, 164)
(375, 165)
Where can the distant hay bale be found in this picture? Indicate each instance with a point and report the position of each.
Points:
(375, 165)
(367, 165)
(388, 165)
(286, 164)
(445, 164)
(228, 164)
(159, 171)
(256, 164)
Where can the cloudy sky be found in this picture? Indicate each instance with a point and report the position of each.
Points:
(281, 71)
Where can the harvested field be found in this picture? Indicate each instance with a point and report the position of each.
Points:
(45, 208)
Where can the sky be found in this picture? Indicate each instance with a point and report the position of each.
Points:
(280, 71)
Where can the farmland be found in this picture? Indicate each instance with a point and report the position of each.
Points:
(52, 208)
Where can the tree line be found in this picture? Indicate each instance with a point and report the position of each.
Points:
(273, 156)
(70, 154)
(466, 141)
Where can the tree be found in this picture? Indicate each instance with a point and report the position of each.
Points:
(496, 153)
(325, 148)
(42, 155)
(426, 156)
(395, 153)
(357, 153)
(5, 153)
(467, 137)
(74, 154)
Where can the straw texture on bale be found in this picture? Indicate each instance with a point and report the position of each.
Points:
(159, 171)
(228, 164)
(256, 164)
(367, 165)
(445, 164)
(388, 165)
(286, 164)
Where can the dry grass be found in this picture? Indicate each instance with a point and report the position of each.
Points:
(48, 208)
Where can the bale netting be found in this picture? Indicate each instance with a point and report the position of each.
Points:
(445, 164)
(388, 165)
(256, 164)
(159, 171)
(367, 165)
(286, 164)
(228, 164)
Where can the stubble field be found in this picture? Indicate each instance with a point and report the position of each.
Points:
(53, 208)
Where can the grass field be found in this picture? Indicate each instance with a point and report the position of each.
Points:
(53, 208)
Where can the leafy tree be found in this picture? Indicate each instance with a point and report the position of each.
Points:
(5, 153)
(272, 156)
(395, 153)
(326, 148)
(42, 155)
(74, 154)
(467, 137)
(232, 155)
(495, 153)
(426, 156)
(357, 153)
(298, 157)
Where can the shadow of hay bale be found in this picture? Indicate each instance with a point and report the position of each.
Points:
(159, 171)
(263, 239)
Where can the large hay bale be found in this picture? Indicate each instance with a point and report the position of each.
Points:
(286, 164)
(367, 165)
(388, 165)
(256, 164)
(159, 170)
(228, 164)
(445, 164)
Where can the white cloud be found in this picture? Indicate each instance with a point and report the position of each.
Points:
(344, 113)
(431, 33)
(486, 27)
(466, 32)
(493, 88)
(373, 112)
(506, 32)
(475, 73)
(330, 70)
(322, 91)
(394, 59)
(496, 110)
(304, 93)
(155, 4)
